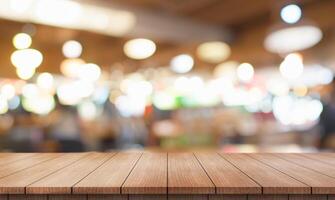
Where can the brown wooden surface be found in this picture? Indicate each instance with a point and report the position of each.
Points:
(108, 178)
(272, 180)
(158, 175)
(62, 181)
(149, 175)
(186, 176)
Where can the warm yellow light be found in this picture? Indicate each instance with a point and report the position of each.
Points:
(3, 105)
(45, 81)
(213, 52)
(26, 58)
(25, 73)
(89, 72)
(70, 67)
(72, 49)
(41, 104)
(7, 91)
(226, 70)
(22, 41)
(300, 90)
(245, 72)
(292, 67)
(139, 48)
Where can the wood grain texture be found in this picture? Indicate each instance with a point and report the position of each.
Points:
(27, 197)
(186, 176)
(109, 177)
(310, 163)
(272, 180)
(268, 197)
(328, 158)
(149, 176)
(188, 197)
(308, 197)
(6, 158)
(13, 167)
(227, 197)
(61, 181)
(227, 178)
(107, 197)
(321, 184)
(67, 197)
(147, 197)
(3, 197)
(16, 183)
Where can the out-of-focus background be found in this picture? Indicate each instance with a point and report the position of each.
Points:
(234, 75)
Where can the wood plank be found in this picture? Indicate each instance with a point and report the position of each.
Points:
(322, 157)
(149, 176)
(67, 197)
(321, 184)
(188, 197)
(3, 197)
(272, 180)
(107, 197)
(16, 183)
(227, 197)
(11, 168)
(108, 178)
(308, 197)
(226, 177)
(310, 163)
(27, 197)
(186, 176)
(62, 181)
(6, 158)
(268, 197)
(147, 197)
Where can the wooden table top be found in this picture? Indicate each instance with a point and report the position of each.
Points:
(166, 173)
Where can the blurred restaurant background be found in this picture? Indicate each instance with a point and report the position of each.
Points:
(231, 75)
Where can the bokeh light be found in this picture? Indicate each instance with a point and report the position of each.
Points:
(245, 72)
(139, 48)
(27, 58)
(291, 13)
(182, 63)
(72, 49)
(292, 67)
(22, 41)
(70, 67)
(213, 52)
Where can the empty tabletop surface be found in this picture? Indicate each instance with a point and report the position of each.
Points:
(162, 173)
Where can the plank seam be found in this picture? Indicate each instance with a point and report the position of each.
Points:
(205, 172)
(93, 171)
(32, 154)
(317, 160)
(130, 172)
(28, 167)
(241, 171)
(280, 172)
(25, 188)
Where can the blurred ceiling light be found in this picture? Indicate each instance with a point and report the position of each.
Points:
(291, 39)
(3, 105)
(182, 63)
(7, 91)
(70, 67)
(41, 104)
(87, 110)
(291, 13)
(25, 73)
(30, 90)
(139, 48)
(213, 52)
(245, 72)
(72, 49)
(69, 14)
(292, 67)
(26, 58)
(45, 81)
(22, 41)
(226, 70)
(89, 72)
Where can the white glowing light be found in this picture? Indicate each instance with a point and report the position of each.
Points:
(139, 48)
(22, 41)
(89, 72)
(291, 13)
(182, 63)
(45, 81)
(71, 67)
(41, 104)
(72, 49)
(25, 73)
(71, 93)
(245, 72)
(292, 67)
(30, 90)
(19, 6)
(213, 52)
(7, 91)
(26, 58)
(293, 39)
(164, 101)
(130, 106)
(226, 70)
(14, 103)
(3, 105)
(88, 110)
